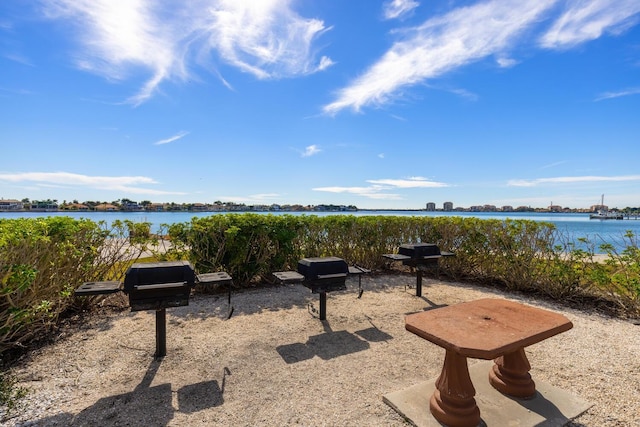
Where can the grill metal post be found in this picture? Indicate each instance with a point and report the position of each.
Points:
(323, 306)
(418, 282)
(161, 333)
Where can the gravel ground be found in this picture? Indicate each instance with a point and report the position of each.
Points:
(274, 363)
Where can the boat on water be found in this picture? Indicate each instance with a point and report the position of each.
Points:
(604, 213)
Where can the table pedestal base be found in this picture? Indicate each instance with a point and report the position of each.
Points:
(510, 375)
(452, 402)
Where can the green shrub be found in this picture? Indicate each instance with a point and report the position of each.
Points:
(42, 261)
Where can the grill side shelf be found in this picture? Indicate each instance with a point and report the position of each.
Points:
(97, 288)
(287, 277)
(396, 257)
(217, 278)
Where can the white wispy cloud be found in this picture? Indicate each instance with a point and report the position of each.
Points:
(554, 164)
(371, 192)
(587, 20)
(20, 59)
(266, 38)
(394, 9)
(311, 150)
(505, 62)
(380, 188)
(125, 184)
(412, 182)
(467, 34)
(440, 45)
(626, 92)
(570, 180)
(119, 35)
(173, 138)
(262, 198)
(16, 91)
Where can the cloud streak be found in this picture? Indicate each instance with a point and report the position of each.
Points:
(570, 180)
(266, 39)
(173, 138)
(394, 9)
(438, 46)
(311, 150)
(126, 184)
(380, 187)
(262, 198)
(468, 34)
(588, 20)
(371, 192)
(611, 95)
(413, 182)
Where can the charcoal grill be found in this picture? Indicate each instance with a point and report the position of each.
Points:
(422, 257)
(157, 286)
(321, 275)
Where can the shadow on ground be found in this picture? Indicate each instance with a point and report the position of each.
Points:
(331, 344)
(128, 408)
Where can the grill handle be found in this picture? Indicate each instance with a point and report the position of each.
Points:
(160, 286)
(331, 276)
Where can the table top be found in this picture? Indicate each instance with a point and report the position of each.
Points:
(486, 328)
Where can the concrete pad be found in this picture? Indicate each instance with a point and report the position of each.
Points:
(550, 407)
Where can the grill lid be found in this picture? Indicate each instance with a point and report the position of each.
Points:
(322, 267)
(419, 250)
(155, 273)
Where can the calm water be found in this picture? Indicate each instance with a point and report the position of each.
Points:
(574, 225)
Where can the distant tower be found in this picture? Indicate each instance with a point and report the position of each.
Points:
(447, 206)
(431, 206)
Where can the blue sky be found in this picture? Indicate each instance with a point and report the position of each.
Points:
(378, 104)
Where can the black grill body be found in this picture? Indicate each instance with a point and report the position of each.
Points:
(324, 274)
(421, 256)
(154, 286)
(418, 250)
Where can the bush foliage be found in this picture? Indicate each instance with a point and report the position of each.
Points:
(42, 261)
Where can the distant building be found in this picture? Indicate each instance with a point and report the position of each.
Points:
(507, 208)
(44, 206)
(447, 206)
(199, 207)
(10, 205)
(131, 207)
(106, 207)
(76, 207)
(431, 206)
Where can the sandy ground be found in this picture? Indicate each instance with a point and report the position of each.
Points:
(274, 363)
